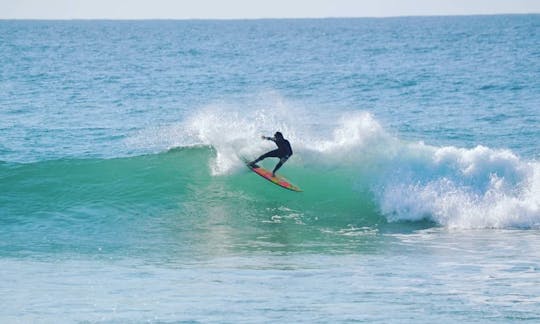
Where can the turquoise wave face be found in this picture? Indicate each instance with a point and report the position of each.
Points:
(159, 181)
(113, 204)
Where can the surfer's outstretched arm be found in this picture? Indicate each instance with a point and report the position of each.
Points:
(268, 138)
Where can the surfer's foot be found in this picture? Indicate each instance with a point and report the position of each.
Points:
(253, 164)
(273, 175)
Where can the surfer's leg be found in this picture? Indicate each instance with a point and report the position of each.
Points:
(264, 156)
(280, 163)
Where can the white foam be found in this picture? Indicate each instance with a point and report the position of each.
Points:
(462, 188)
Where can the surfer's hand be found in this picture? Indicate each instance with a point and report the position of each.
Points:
(263, 137)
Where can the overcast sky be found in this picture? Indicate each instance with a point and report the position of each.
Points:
(234, 9)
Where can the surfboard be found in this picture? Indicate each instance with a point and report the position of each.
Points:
(278, 180)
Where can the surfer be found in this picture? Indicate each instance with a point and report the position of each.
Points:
(283, 152)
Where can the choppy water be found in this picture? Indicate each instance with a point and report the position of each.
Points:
(123, 196)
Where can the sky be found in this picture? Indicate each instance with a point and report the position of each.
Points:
(253, 9)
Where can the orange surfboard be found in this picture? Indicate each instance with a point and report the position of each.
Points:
(279, 180)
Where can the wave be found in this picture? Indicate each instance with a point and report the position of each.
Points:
(351, 169)
(352, 161)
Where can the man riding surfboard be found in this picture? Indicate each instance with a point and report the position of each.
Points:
(283, 152)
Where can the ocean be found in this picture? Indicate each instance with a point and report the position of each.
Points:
(124, 198)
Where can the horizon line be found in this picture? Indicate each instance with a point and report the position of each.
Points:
(272, 18)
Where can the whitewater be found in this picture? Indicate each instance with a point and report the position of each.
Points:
(124, 196)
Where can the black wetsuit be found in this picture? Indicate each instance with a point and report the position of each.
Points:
(283, 152)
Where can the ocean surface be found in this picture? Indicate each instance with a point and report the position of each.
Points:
(123, 197)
